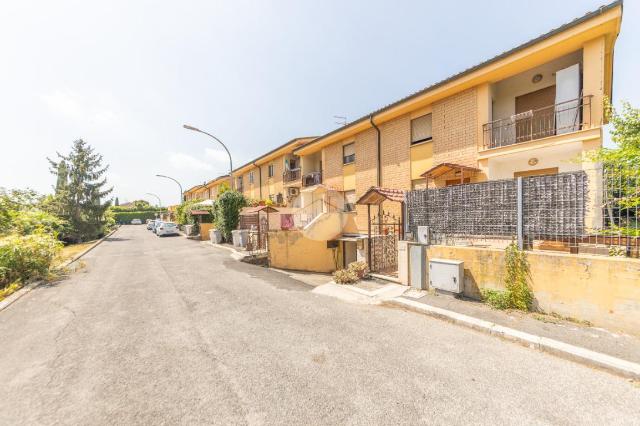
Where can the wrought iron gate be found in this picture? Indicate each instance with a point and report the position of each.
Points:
(385, 231)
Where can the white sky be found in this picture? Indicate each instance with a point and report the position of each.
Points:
(125, 75)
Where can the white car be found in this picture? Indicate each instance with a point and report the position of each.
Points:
(155, 224)
(167, 228)
(136, 222)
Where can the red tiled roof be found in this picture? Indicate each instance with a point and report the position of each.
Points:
(376, 195)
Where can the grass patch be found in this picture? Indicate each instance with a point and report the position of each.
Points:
(9, 290)
(72, 250)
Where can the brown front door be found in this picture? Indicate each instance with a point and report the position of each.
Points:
(538, 172)
(541, 123)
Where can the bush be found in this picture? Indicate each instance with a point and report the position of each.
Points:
(127, 216)
(24, 257)
(345, 276)
(354, 273)
(360, 268)
(518, 294)
(227, 212)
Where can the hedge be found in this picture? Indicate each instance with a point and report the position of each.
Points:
(126, 217)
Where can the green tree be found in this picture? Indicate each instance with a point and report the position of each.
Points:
(227, 212)
(81, 202)
(622, 169)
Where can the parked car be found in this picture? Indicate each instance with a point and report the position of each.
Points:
(167, 228)
(150, 223)
(156, 223)
(136, 222)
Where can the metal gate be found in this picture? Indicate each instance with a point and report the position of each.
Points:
(385, 231)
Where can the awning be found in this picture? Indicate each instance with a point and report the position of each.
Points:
(444, 168)
(254, 210)
(376, 196)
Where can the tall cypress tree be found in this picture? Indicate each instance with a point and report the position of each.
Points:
(81, 192)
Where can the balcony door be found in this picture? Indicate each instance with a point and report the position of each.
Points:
(535, 115)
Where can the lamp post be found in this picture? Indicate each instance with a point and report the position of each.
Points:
(195, 129)
(169, 177)
(159, 202)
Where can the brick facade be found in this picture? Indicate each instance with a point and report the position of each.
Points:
(455, 129)
(332, 166)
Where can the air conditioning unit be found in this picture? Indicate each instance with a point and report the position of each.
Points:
(293, 191)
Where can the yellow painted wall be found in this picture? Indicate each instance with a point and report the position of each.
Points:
(291, 250)
(204, 231)
(421, 159)
(349, 177)
(599, 289)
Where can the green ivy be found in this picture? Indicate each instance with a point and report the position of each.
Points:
(227, 212)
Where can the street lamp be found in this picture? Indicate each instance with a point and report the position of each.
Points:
(169, 177)
(159, 202)
(195, 129)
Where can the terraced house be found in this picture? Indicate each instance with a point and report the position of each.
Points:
(533, 110)
(274, 176)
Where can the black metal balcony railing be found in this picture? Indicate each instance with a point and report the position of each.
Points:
(314, 178)
(291, 175)
(565, 117)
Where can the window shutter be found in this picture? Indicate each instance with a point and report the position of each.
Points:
(421, 128)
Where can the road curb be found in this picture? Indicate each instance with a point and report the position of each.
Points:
(564, 350)
(27, 288)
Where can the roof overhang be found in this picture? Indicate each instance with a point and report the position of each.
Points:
(444, 168)
(274, 153)
(565, 39)
(247, 211)
(376, 196)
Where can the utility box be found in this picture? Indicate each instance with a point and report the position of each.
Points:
(215, 236)
(240, 237)
(422, 236)
(403, 262)
(447, 275)
(418, 266)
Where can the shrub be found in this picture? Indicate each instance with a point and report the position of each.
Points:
(227, 213)
(354, 273)
(127, 216)
(518, 294)
(345, 276)
(359, 268)
(24, 257)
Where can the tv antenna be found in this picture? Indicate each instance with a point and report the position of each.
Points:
(341, 120)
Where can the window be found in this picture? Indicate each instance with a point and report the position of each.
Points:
(251, 177)
(421, 129)
(240, 182)
(349, 201)
(349, 153)
(270, 171)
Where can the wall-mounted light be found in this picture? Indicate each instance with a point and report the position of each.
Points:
(533, 161)
(536, 78)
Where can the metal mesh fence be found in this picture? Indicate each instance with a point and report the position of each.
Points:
(595, 211)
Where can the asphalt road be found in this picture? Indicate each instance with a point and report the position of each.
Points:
(171, 331)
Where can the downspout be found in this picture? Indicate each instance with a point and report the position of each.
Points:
(259, 178)
(379, 152)
(378, 183)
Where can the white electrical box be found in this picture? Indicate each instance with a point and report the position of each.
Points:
(447, 275)
(423, 235)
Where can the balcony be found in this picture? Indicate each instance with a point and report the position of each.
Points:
(311, 179)
(291, 175)
(557, 119)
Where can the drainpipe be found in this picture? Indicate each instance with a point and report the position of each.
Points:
(379, 152)
(259, 178)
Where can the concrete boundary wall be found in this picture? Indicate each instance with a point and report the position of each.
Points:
(602, 290)
(292, 250)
